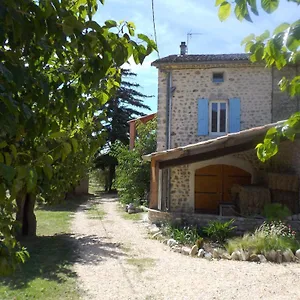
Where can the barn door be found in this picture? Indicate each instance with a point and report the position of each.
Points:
(213, 185)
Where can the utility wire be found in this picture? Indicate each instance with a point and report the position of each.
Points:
(154, 27)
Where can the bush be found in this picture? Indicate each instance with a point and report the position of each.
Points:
(133, 173)
(269, 236)
(276, 211)
(184, 235)
(219, 231)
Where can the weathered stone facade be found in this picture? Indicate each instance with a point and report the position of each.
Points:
(261, 103)
(257, 87)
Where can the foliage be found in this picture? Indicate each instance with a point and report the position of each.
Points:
(276, 211)
(133, 173)
(120, 108)
(57, 68)
(219, 231)
(277, 50)
(186, 235)
(269, 236)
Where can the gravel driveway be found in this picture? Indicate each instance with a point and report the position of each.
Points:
(119, 261)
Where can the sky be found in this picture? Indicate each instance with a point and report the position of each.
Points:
(174, 19)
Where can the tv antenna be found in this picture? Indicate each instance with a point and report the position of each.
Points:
(189, 37)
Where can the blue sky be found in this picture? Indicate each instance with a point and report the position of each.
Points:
(175, 18)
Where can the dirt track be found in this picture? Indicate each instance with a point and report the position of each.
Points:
(119, 261)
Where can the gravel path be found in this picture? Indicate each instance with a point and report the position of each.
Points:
(119, 261)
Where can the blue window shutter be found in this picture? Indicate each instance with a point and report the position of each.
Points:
(202, 116)
(234, 115)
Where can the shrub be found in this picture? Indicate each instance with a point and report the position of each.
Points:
(276, 211)
(184, 235)
(219, 231)
(133, 173)
(269, 236)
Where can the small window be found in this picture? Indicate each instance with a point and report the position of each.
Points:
(218, 117)
(218, 77)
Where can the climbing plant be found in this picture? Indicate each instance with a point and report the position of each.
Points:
(57, 67)
(279, 49)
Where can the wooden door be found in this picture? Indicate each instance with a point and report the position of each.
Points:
(213, 185)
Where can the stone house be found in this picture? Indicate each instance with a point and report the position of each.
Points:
(212, 111)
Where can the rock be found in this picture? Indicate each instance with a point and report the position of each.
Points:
(271, 256)
(295, 217)
(236, 255)
(176, 249)
(186, 250)
(254, 258)
(288, 256)
(201, 253)
(262, 258)
(157, 235)
(130, 208)
(208, 256)
(217, 253)
(279, 256)
(154, 229)
(297, 254)
(172, 242)
(194, 251)
(244, 255)
(289, 218)
(226, 255)
(165, 241)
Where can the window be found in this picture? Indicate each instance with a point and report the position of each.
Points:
(218, 77)
(218, 117)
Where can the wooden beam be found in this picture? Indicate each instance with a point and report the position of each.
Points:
(153, 203)
(189, 159)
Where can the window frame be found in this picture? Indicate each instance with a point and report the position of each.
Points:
(217, 133)
(218, 81)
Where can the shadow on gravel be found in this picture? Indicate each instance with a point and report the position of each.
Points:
(52, 257)
(97, 249)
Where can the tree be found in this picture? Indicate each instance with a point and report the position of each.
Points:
(121, 108)
(57, 68)
(278, 50)
(133, 173)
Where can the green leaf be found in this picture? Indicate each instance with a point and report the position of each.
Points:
(293, 40)
(31, 180)
(13, 150)
(48, 171)
(224, 11)
(263, 36)
(58, 134)
(281, 27)
(1, 158)
(219, 2)
(3, 144)
(248, 38)
(66, 150)
(74, 144)
(7, 172)
(269, 6)
(8, 159)
(2, 192)
(111, 23)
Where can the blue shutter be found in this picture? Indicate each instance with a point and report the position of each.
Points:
(202, 116)
(234, 115)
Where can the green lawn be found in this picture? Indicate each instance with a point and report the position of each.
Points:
(48, 273)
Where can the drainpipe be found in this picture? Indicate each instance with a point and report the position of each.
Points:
(168, 136)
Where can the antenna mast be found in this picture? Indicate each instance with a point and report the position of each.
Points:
(189, 36)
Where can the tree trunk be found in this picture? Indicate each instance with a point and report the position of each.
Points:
(25, 214)
(111, 176)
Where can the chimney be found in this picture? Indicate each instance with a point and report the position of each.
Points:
(183, 48)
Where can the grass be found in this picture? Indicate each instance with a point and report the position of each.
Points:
(260, 243)
(48, 274)
(141, 263)
(96, 212)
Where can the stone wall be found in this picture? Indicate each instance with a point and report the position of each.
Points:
(242, 224)
(282, 105)
(261, 100)
(253, 85)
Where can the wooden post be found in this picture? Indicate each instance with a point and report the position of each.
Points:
(154, 184)
(132, 134)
